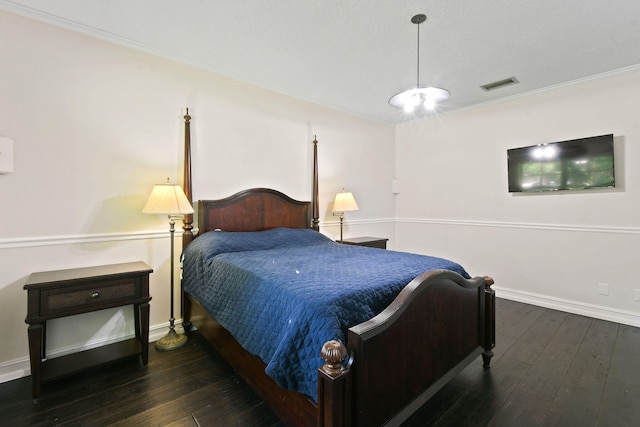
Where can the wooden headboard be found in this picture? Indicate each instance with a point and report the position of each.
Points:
(255, 209)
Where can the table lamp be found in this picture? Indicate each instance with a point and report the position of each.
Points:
(344, 202)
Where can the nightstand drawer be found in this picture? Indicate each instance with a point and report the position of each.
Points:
(89, 296)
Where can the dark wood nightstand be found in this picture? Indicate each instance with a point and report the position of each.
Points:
(53, 294)
(372, 242)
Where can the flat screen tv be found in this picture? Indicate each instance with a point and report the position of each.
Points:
(577, 164)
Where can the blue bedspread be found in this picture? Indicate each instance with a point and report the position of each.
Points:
(283, 293)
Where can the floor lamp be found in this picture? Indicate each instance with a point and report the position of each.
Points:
(344, 202)
(169, 199)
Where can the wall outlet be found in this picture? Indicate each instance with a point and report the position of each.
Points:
(637, 295)
(6, 155)
(603, 289)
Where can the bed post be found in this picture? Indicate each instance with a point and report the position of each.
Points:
(314, 201)
(187, 226)
(187, 235)
(334, 386)
(490, 321)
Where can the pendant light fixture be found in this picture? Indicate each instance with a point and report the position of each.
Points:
(425, 97)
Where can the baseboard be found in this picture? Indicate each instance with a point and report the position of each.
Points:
(18, 368)
(590, 310)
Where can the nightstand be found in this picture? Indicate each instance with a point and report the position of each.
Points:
(60, 293)
(372, 242)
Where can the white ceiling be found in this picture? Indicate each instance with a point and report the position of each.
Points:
(352, 55)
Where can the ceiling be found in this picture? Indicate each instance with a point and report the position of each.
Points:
(353, 55)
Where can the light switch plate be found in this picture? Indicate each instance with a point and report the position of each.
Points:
(6, 155)
(395, 186)
(603, 288)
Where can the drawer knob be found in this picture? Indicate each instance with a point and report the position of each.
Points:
(95, 295)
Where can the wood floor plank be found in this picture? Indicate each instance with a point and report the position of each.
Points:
(256, 416)
(628, 339)
(159, 393)
(486, 398)
(521, 409)
(594, 355)
(83, 398)
(518, 321)
(530, 345)
(578, 400)
(451, 393)
(621, 399)
(616, 416)
(622, 389)
(198, 402)
(547, 373)
(186, 421)
(503, 345)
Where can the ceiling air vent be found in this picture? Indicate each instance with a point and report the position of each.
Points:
(499, 83)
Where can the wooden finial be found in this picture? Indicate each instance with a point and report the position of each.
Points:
(488, 281)
(333, 352)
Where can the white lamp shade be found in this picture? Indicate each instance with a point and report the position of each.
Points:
(168, 199)
(345, 202)
(427, 97)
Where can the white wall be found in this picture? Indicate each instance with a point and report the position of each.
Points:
(550, 249)
(96, 125)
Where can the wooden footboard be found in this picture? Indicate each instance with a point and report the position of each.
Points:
(396, 361)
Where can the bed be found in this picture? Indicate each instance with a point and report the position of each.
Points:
(365, 371)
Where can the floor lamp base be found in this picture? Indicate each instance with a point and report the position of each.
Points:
(171, 341)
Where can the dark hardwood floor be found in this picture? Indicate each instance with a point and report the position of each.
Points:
(550, 369)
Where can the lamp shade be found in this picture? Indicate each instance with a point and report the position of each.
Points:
(168, 199)
(426, 97)
(345, 202)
